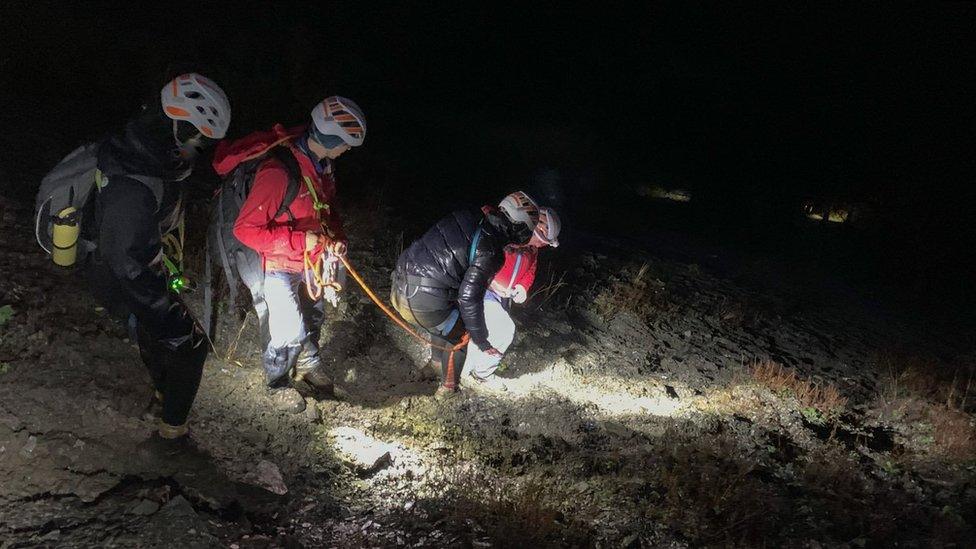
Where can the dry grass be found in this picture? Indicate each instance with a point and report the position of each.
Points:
(914, 377)
(919, 390)
(514, 512)
(634, 291)
(824, 398)
(737, 398)
(953, 434)
(712, 495)
(545, 294)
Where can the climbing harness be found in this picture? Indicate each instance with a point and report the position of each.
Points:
(172, 254)
(515, 271)
(318, 205)
(321, 278)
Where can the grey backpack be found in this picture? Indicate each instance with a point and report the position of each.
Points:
(61, 201)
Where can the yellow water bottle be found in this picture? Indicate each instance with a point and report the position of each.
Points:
(64, 236)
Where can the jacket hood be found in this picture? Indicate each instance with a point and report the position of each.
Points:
(230, 154)
(144, 147)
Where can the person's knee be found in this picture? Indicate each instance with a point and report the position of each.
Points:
(285, 322)
(501, 328)
(506, 334)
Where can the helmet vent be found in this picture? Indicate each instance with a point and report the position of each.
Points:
(198, 101)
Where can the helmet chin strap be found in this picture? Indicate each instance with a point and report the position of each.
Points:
(190, 149)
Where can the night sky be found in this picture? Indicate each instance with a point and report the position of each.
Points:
(752, 109)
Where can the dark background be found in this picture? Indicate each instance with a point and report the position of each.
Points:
(751, 108)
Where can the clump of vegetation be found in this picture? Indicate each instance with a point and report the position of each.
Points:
(517, 511)
(507, 512)
(819, 401)
(736, 313)
(928, 394)
(712, 495)
(635, 292)
(6, 313)
(913, 377)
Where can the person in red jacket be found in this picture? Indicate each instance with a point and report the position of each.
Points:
(295, 245)
(511, 284)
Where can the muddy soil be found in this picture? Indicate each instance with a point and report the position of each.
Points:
(633, 419)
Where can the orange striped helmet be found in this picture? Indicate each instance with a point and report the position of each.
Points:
(199, 101)
(519, 207)
(548, 227)
(341, 117)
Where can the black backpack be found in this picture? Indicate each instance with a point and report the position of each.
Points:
(239, 262)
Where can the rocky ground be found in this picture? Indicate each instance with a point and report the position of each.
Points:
(652, 402)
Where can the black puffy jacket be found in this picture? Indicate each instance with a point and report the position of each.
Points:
(441, 255)
(128, 217)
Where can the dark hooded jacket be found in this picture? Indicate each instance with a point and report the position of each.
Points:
(129, 213)
(441, 257)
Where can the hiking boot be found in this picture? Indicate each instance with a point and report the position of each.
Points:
(156, 448)
(172, 432)
(315, 384)
(490, 384)
(165, 452)
(444, 393)
(287, 399)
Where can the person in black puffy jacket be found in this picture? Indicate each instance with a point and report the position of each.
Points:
(440, 281)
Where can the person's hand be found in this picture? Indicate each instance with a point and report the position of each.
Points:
(337, 247)
(491, 351)
(313, 239)
(500, 291)
(519, 295)
(330, 294)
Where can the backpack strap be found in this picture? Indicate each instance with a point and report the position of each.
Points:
(474, 245)
(154, 184)
(515, 270)
(286, 157)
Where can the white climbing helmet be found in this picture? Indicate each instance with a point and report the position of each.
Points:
(519, 207)
(199, 101)
(548, 227)
(341, 117)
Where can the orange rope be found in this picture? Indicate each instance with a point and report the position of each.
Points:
(396, 318)
(314, 284)
(449, 381)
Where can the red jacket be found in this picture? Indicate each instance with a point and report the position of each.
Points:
(280, 241)
(508, 277)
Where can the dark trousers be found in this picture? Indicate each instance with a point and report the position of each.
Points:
(175, 372)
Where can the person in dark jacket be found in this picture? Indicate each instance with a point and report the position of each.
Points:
(440, 281)
(138, 201)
